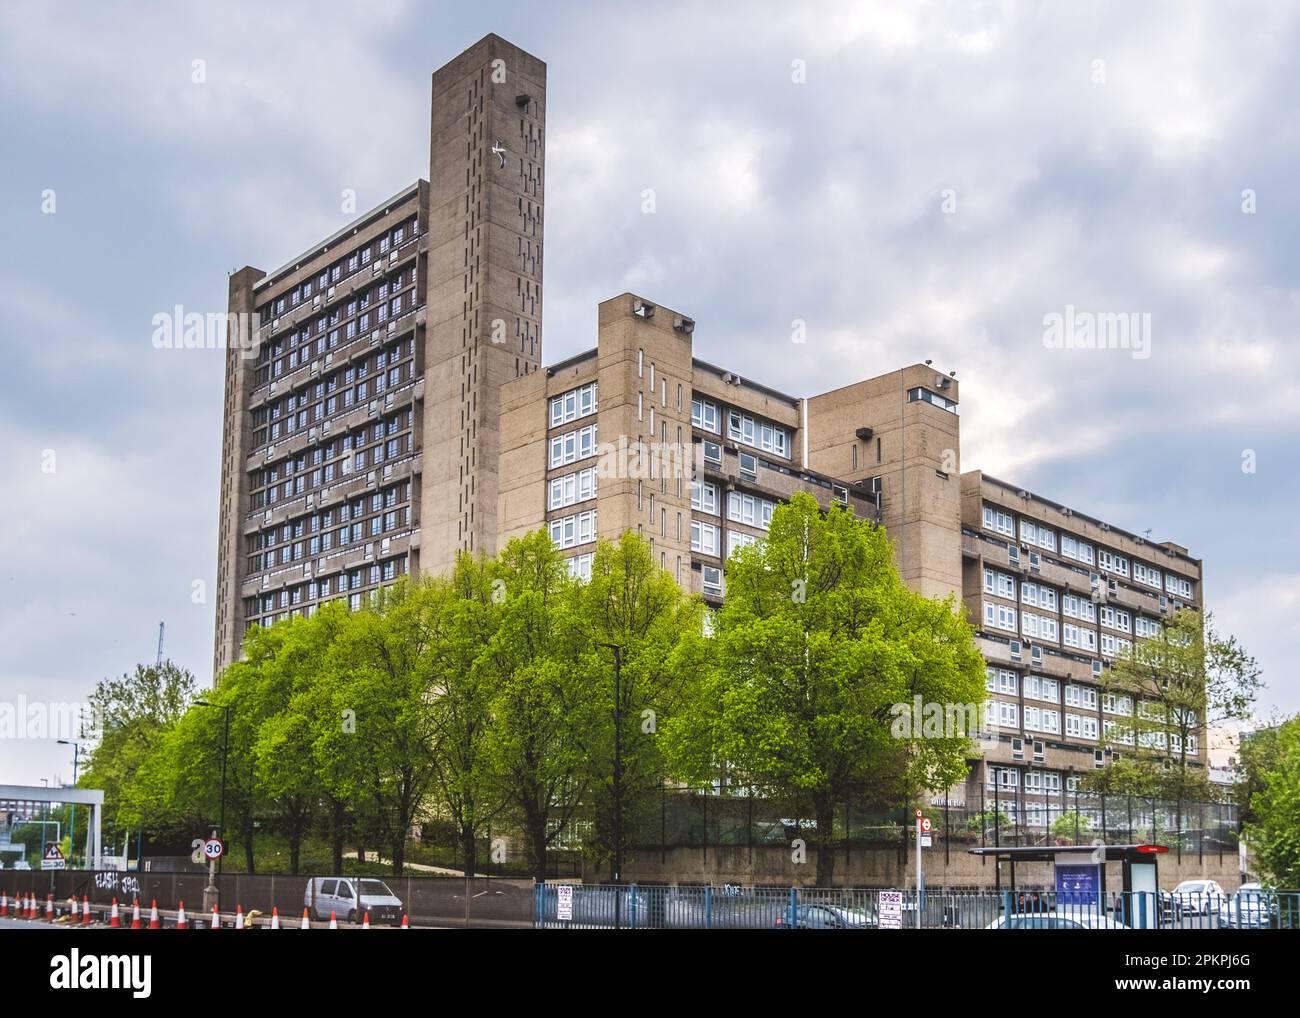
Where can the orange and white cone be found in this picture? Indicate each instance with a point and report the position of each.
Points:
(181, 922)
(216, 918)
(49, 908)
(239, 917)
(135, 915)
(405, 924)
(4, 904)
(33, 909)
(365, 923)
(154, 924)
(27, 906)
(334, 921)
(85, 910)
(114, 919)
(306, 923)
(275, 918)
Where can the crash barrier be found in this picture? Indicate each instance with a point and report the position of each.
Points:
(607, 906)
(424, 901)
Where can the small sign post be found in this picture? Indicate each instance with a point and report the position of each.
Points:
(890, 910)
(564, 903)
(53, 858)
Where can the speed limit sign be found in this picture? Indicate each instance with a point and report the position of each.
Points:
(213, 849)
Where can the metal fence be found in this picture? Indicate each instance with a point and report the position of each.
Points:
(430, 901)
(606, 906)
(996, 817)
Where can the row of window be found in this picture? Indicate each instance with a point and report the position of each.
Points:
(1037, 535)
(571, 488)
(341, 269)
(304, 598)
(575, 403)
(573, 446)
(570, 531)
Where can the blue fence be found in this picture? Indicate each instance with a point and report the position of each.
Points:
(605, 906)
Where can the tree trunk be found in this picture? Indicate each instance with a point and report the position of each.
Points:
(336, 836)
(825, 816)
(249, 860)
(399, 854)
(468, 851)
(295, 849)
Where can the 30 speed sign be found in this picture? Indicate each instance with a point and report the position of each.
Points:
(214, 849)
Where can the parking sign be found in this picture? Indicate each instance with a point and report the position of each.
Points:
(564, 903)
(891, 910)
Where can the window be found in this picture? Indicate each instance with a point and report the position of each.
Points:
(759, 433)
(1112, 646)
(1000, 616)
(737, 539)
(926, 396)
(1148, 628)
(704, 537)
(712, 580)
(752, 510)
(1075, 607)
(1146, 574)
(571, 488)
(1039, 596)
(1117, 703)
(1039, 687)
(1039, 626)
(1000, 584)
(575, 403)
(1037, 535)
(997, 520)
(1177, 586)
(704, 497)
(573, 445)
(1000, 714)
(580, 565)
(748, 466)
(1084, 697)
(1115, 618)
(574, 530)
(704, 415)
(713, 453)
(1112, 563)
(1000, 680)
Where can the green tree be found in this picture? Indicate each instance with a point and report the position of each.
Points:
(1176, 686)
(816, 643)
(632, 604)
(373, 736)
(134, 713)
(543, 711)
(1274, 833)
(1072, 826)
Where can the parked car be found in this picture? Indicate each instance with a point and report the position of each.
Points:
(828, 917)
(1200, 897)
(350, 898)
(1054, 921)
(1251, 908)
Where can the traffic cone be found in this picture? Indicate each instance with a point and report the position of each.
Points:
(365, 923)
(306, 923)
(114, 920)
(275, 918)
(216, 918)
(72, 906)
(27, 906)
(85, 910)
(33, 909)
(135, 915)
(405, 924)
(154, 924)
(4, 904)
(239, 917)
(49, 908)
(181, 923)
(334, 921)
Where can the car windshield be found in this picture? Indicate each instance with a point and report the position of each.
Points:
(375, 887)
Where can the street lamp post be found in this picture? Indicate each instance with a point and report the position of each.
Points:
(212, 893)
(618, 779)
(72, 812)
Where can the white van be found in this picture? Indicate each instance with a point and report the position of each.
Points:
(350, 898)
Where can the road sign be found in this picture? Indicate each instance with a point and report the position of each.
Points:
(891, 910)
(53, 858)
(564, 903)
(926, 841)
(214, 849)
(926, 826)
(918, 812)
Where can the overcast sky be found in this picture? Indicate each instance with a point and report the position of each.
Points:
(1104, 158)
